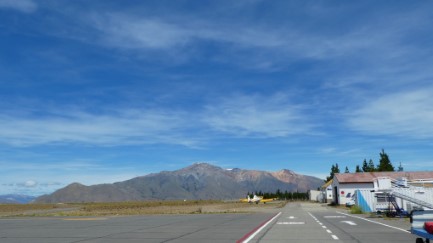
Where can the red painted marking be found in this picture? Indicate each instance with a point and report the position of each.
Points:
(255, 229)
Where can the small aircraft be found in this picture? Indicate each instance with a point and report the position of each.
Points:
(256, 199)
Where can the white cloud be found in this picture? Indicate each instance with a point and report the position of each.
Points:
(327, 150)
(55, 175)
(120, 127)
(30, 187)
(238, 115)
(26, 6)
(265, 45)
(30, 183)
(260, 116)
(404, 114)
(130, 32)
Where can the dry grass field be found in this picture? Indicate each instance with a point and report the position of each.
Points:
(134, 208)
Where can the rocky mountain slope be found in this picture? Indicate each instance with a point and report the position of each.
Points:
(198, 181)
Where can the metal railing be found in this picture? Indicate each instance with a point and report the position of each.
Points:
(417, 195)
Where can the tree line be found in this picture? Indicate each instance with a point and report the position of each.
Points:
(384, 165)
(286, 195)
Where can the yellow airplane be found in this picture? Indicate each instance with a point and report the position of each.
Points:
(256, 199)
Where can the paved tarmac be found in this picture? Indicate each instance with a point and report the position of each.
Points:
(154, 228)
(313, 223)
(297, 223)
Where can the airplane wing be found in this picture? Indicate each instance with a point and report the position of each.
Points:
(267, 200)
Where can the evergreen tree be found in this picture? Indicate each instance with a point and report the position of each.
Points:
(358, 169)
(278, 193)
(334, 170)
(371, 166)
(400, 168)
(346, 170)
(365, 167)
(384, 163)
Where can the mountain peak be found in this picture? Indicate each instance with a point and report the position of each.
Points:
(203, 165)
(197, 167)
(76, 184)
(286, 171)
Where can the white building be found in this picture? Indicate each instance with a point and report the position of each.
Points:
(346, 185)
(326, 195)
(314, 196)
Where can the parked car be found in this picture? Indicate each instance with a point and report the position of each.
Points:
(350, 199)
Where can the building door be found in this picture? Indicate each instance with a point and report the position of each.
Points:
(336, 195)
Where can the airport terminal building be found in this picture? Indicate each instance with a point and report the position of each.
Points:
(369, 189)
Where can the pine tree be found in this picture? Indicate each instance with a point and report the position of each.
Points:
(400, 168)
(358, 169)
(346, 170)
(334, 170)
(371, 166)
(384, 163)
(365, 167)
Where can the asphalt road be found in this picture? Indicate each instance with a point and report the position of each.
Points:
(154, 228)
(312, 223)
(296, 223)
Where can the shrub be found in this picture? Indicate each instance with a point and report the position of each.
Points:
(355, 209)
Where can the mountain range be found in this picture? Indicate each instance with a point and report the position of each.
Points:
(15, 199)
(198, 181)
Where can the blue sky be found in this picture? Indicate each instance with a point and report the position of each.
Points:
(103, 91)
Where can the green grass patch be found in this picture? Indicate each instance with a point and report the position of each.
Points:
(356, 210)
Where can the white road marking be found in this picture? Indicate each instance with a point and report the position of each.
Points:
(349, 222)
(83, 219)
(291, 223)
(260, 229)
(334, 217)
(327, 230)
(371, 221)
(291, 217)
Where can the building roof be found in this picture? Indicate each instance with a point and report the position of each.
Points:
(369, 177)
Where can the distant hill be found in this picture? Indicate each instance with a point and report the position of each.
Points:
(198, 181)
(16, 199)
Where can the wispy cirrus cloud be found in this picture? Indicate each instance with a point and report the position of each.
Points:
(137, 33)
(120, 127)
(132, 32)
(257, 116)
(403, 114)
(262, 45)
(238, 115)
(26, 6)
(271, 44)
